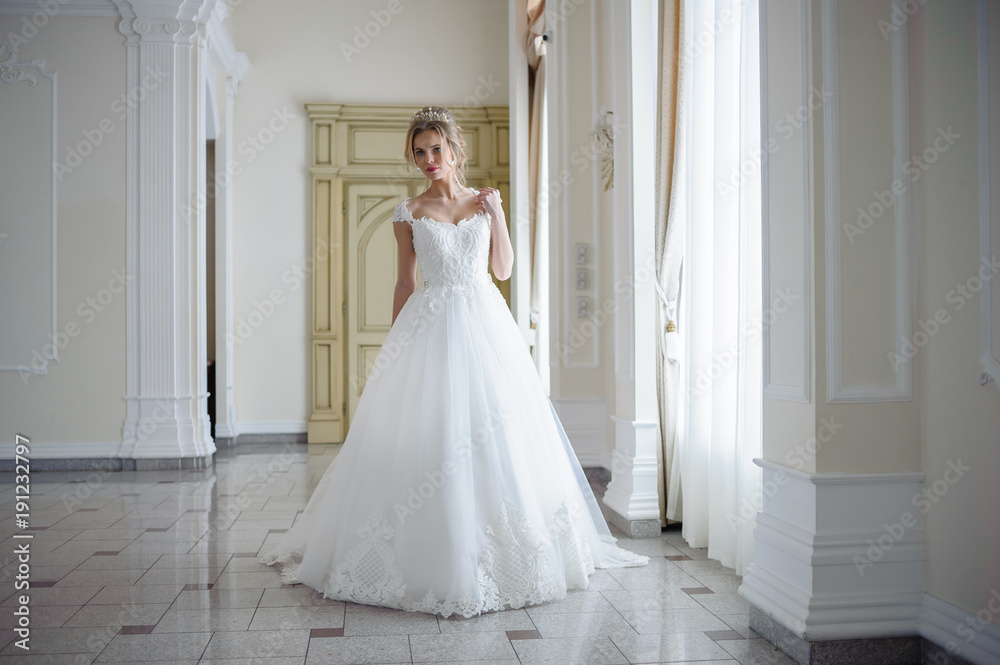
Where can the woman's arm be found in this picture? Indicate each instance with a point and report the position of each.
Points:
(501, 250)
(406, 283)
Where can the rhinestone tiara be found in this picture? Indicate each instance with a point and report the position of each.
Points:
(429, 115)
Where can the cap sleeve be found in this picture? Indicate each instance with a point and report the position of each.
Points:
(402, 213)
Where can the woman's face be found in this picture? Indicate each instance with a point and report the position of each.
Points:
(432, 154)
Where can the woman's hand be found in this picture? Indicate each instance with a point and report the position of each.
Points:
(489, 200)
(501, 250)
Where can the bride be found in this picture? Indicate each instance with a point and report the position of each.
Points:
(456, 489)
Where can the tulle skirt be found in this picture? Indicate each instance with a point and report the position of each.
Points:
(456, 489)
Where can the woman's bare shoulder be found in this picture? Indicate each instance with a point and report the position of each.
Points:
(416, 203)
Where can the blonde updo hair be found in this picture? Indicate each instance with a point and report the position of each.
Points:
(443, 121)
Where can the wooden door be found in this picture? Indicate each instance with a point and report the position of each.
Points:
(372, 266)
(358, 177)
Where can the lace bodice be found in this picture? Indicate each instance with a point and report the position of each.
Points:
(450, 255)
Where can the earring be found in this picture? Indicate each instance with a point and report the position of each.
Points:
(453, 162)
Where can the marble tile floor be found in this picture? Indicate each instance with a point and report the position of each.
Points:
(160, 567)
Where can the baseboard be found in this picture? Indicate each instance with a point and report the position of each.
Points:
(104, 455)
(947, 634)
(278, 438)
(269, 427)
(960, 633)
(225, 431)
(111, 464)
(61, 450)
(839, 573)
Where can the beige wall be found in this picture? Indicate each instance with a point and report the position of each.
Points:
(960, 419)
(448, 52)
(579, 81)
(579, 207)
(80, 400)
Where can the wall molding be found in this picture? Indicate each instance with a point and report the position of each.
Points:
(65, 450)
(802, 393)
(901, 390)
(950, 627)
(989, 363)
(70, 8)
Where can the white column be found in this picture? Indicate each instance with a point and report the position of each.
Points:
(165, 402)
(837, 555)
(632, 493)
(839, 541)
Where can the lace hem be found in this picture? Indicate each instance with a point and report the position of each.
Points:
(513, 572)
(289, 566)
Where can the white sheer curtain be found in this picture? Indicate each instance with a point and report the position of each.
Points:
(719, 423)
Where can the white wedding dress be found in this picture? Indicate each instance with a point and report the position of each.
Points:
(456, 489)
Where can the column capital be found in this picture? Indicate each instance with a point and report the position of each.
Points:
(162, 21)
